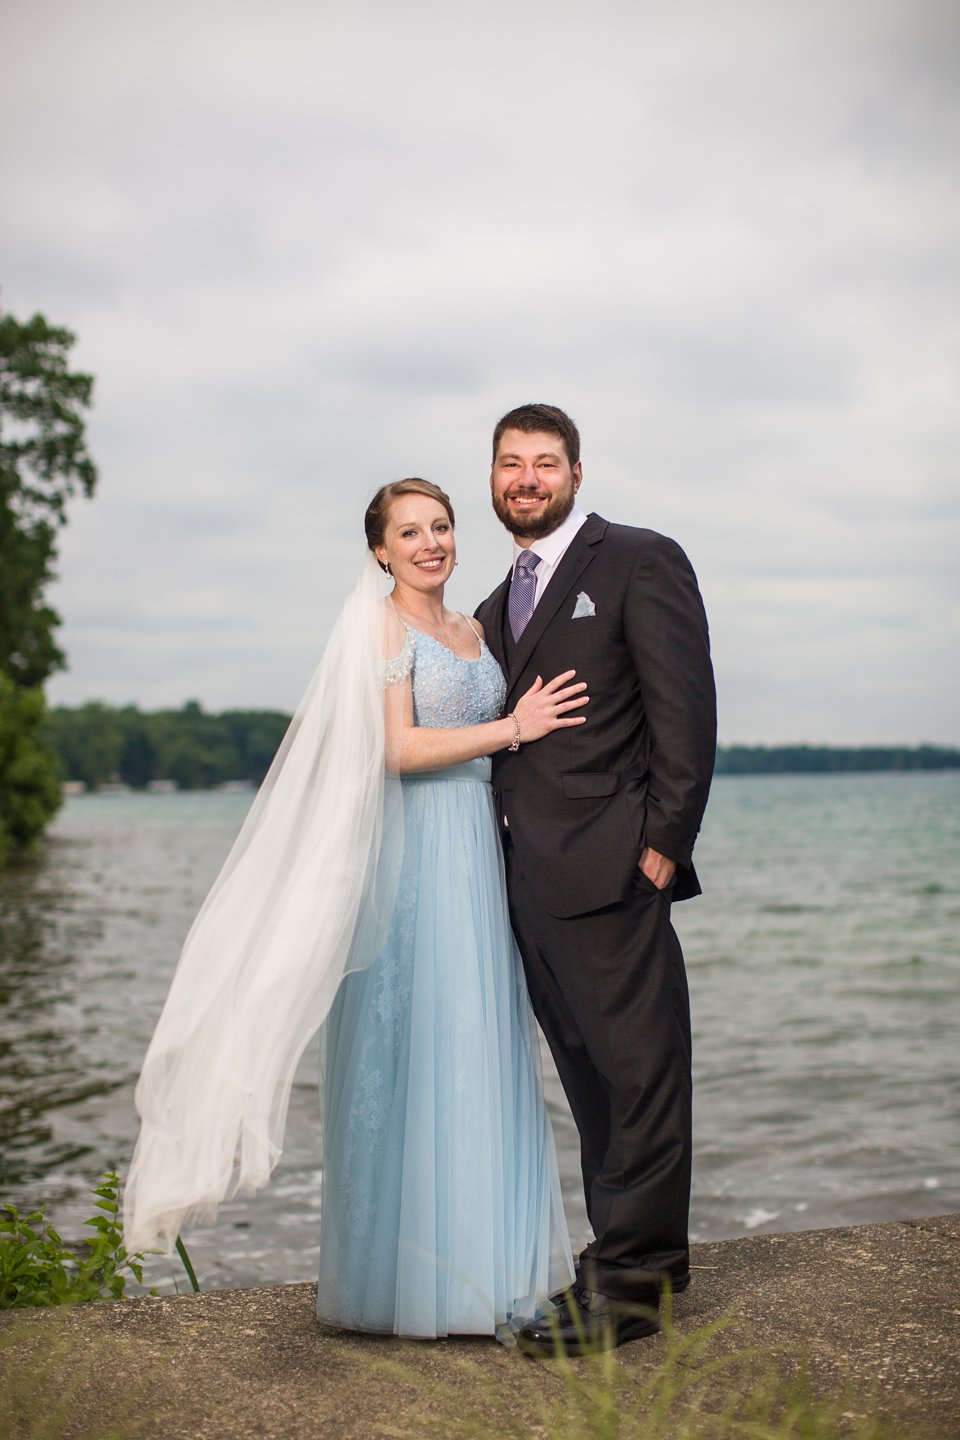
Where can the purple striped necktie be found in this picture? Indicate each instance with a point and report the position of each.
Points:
(523, 591)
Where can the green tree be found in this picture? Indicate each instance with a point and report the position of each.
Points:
(43, 462)
(138, 759)
(97, 742)
(89, 742)
(194, 748)
(29, 787)
(256, 736)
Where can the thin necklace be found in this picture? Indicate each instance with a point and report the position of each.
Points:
(444, 637)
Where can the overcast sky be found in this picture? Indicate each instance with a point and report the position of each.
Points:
(308, 248)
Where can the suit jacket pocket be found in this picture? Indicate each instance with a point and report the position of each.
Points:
(589, 785)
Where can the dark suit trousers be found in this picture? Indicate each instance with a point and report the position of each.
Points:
(610, 993)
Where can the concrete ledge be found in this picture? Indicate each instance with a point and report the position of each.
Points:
(873, 1306)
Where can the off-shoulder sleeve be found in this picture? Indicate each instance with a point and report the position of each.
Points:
(395, 670)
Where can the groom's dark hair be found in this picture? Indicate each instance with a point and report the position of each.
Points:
(533, 418)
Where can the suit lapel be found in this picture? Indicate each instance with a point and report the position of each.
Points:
(495, 621)
(579, 555)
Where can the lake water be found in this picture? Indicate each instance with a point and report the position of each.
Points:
(824, 963)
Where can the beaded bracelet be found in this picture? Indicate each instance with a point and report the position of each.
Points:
(515, 743)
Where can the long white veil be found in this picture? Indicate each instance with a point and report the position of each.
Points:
(303, 897)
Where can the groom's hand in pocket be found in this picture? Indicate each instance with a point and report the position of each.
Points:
(659, 869)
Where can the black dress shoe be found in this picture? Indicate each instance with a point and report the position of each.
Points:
(585, 1322)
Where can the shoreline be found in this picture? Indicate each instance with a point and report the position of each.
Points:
(875, 1309)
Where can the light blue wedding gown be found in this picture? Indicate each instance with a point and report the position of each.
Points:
(440, 1205)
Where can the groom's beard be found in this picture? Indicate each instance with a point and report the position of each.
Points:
(546, 519)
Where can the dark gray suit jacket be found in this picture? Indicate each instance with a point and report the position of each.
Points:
(582, 802)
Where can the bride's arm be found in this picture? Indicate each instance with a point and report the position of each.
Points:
(411, 747)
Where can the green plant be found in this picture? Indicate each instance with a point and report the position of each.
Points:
(37, 1268)
(187, 1265)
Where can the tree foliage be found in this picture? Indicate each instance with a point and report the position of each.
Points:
(29, 784)
(43, 463)
(832, 759)
(97, 743)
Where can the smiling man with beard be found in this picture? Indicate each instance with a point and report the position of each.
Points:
(598, 825)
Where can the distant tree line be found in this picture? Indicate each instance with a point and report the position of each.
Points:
(832, 759)
(100, 744)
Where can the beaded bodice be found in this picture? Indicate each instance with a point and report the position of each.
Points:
(448, 692)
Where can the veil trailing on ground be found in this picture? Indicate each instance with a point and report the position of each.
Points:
(304, 897)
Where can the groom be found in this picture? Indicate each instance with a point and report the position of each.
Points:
(598, 825)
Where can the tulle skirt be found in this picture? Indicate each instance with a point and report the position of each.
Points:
(441, 1209)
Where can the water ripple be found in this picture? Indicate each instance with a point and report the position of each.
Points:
(823, 965)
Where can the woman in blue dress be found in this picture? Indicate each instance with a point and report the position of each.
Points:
(365, 896)
(441, 1210)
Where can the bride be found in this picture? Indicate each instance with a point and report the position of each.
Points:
(365, 895)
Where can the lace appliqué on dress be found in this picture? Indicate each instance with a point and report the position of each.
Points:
(450, 691)
(399, 667)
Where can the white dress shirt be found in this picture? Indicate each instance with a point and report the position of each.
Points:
(551, 549)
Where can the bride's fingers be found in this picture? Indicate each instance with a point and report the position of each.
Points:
(557, 697)
(558, 704)
(559, 680)
(568, 698)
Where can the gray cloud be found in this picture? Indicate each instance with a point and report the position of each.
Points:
(311, 249)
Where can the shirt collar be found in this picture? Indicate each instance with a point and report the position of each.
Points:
(551, 547)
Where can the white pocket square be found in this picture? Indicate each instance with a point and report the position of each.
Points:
(583, 607)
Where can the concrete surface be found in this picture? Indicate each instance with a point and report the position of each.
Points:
(875, 1309)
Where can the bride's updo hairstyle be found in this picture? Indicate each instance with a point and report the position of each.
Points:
(378, 511)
